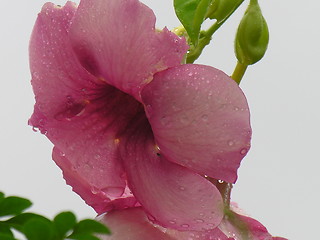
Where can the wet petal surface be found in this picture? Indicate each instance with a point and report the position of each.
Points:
(116, 40)
(172, 195)
(131, 224)
(79, 113)
(200, 119)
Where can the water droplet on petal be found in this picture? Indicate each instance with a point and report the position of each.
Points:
(95, 190)
(185, 225)
(184, 120)
(165, 121)
(172, 222)
(220, 181)
(230, 143)
(113, 191)
(199, 220)
(243, 151)
(148, 111)
(204, 117)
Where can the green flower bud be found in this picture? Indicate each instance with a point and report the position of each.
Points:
(252, 36)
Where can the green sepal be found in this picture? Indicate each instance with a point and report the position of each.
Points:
(252, 36)
(236, 221)
(191, 14)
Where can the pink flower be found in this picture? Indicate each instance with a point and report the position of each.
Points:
(130, 125)
(133, 224)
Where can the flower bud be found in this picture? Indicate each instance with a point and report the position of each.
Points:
(252, 36)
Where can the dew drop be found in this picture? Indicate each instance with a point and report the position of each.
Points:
(204, 117)
(152, 218)
(230, 143)
(113, 191)
(148, 111)
(165, 121)
(243, 151)
(94, 190)
(184, 119)
(199, 221)
(185, 225)
(220, 181)
(190, 74)
(172, 222)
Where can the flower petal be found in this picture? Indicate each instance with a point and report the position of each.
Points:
(79, 114)
(131, 224)
(200, 119)
(172, 195)
(116, 40)
(214, 234)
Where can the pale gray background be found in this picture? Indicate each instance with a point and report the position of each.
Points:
(278, 180)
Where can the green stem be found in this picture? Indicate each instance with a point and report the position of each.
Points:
(224, 189)
(207, 35)
(239, 72)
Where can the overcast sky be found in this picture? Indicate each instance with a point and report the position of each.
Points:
(278, 180)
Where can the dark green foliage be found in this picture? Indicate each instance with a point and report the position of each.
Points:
(192, 13)
(37, 227)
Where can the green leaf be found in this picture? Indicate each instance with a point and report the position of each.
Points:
(13, 205)
(192, 13)
(5, 229)
(84, 237)
(88, 226)
(18, 221)
(39, 229)
(64, 222)
(1, 196)
(221, 9)
(252, 36)
(6, 237)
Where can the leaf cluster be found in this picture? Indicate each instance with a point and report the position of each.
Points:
(252, 35)
(192, 14)
(13, 217)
